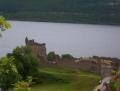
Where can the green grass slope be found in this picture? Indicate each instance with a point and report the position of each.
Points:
(74, 80)
(79, 11)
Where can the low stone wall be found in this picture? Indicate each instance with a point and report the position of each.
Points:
(85, 65)
(89, 66)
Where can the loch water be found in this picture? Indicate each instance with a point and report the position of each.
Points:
(76, 39)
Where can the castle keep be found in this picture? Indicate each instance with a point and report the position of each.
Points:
(38, 49)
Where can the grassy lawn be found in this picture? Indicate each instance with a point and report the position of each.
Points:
(76, 80)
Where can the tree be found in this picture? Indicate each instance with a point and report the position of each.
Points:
(3, 25)
(67, 56)
(51, 56)
(8, 73)
(18, 66)
(26, 62)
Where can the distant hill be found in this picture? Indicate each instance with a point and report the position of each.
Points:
(77, 11)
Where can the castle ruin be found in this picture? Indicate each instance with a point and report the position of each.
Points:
(102, 66)
(38, 49)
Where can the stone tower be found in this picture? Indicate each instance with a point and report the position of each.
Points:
(38, 49)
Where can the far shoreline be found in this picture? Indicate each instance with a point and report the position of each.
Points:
(63, 22)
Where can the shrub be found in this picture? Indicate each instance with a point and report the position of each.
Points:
(21, 86)
(8, 73)
(115, 82)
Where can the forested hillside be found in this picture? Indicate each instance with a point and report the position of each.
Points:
(78, 11)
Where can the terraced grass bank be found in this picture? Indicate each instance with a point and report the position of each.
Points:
(73, 80)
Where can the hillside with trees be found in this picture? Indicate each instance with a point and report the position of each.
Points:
(75, 11)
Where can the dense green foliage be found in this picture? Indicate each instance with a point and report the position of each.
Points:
(67, 56)
(51, 56)
(26, 63)
(84, 11)
(3, 24)
(8, 73)
(23, 85)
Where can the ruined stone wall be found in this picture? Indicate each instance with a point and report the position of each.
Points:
(106, 70)
(66, 63)
(116, 64)
(89, 66)
(84, 65)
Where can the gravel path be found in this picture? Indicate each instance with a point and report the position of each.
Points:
(101, 85)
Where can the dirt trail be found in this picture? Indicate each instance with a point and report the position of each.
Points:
(101, 85)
